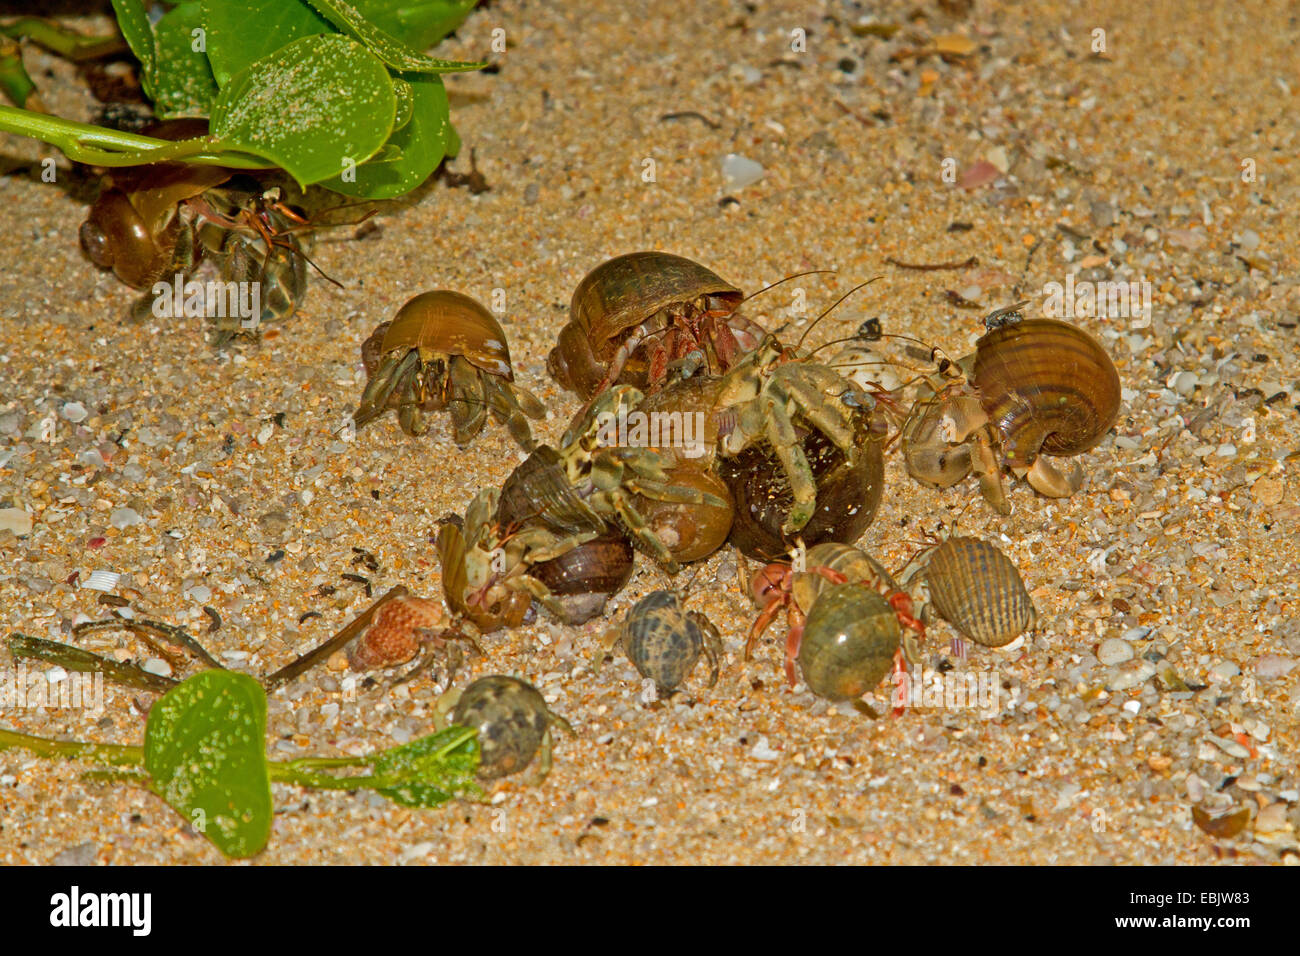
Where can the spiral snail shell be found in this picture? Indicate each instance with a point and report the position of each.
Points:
(1047, 386)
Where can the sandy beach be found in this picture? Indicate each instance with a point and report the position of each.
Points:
(1002, 138)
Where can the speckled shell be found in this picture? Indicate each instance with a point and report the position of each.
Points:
(848, 493)
(849, 641)
(617, 296)
(1047, 386)
(978, 590)
(662, 641)
(391, 637)
(450, 323)
(511, 718)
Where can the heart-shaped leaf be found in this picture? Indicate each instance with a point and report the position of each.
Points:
(419, 146)
(314, 107)
(182, 83)
(384, 45)
(241, 32)
(205, 750)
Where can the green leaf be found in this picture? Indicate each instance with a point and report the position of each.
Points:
(387, 47)
(419, 147)
(438, 767)
(308, 107)
(205, 750)
(133, 21)
(243, 31)
(183, 83)
(421, 23)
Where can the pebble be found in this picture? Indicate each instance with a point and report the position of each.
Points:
(1102, 214)
(15, 520)
(739, 172)
(531, 192)
(1226, 450)
(1268, 491)
(1270, 666)
(1184, 383)
(74, 412)
(763, 751)
(1186, 238)
(1114, 651)
(124, 518)
(156, 665)
(1133, 674)
(1229, 747)
(83, 854)
(1224, 670)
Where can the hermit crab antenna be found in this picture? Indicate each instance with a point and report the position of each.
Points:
(814, 322)
(797, 275)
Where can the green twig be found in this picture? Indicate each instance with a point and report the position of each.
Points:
(100, 146)
(113, 755)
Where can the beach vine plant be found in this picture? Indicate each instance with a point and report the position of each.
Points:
(204, 753)
(334, 92)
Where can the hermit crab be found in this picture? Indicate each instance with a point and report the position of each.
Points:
(973, 586)
(771, 391)
(796, 586)
(1031, 389)
(664, 641)
(591, 482)
(488, 568)
(513, 723)
(443, 350)
(633, 316)
(155, 225)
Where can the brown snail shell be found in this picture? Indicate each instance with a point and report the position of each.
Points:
(586, 577)
(450, 323)
(135, 226)
(979, 591)
(616, 297)
(690, 531)
(1048, 387)
(848, 492)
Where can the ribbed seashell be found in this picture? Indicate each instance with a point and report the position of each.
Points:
(392, 636)
(978, 590)
(1047, 387)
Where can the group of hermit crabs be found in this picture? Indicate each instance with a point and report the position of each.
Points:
(698, 429)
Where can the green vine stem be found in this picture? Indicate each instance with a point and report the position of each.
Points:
(303, 772)
(99, 146)
(113, 755)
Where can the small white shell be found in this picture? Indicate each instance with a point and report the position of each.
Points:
(865, 367)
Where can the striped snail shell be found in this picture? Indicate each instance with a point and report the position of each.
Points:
(1047, 387)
